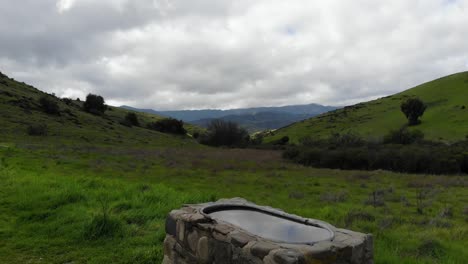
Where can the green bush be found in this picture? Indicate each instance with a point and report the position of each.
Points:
(403, 136)
(282, 141)
(168, 125)
(49, 105)
(37, 130)
(225, 133)
(131, 119)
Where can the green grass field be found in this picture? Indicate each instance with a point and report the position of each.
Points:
(94, 191)
(52, 202)
(446, 118)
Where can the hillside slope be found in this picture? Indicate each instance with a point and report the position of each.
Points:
(446, 118)
(20, 108)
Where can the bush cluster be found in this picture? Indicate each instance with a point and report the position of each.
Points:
(416, 158)
(225, 133)
(403, 136)
(168, 125)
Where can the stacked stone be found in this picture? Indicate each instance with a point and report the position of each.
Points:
(193, 237)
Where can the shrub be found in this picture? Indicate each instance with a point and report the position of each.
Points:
(168, 125)
(225, 133)
(94, 104)
(131, 119)
(357, 215)
(413, 108)
(258, 139)
(348, 139)
(67, 101)
(103, 225)
(49, 106)
(37, 130)
(403, 136)
(282, 141)
(431, 248)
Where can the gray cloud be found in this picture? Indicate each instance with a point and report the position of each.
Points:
(174, 54)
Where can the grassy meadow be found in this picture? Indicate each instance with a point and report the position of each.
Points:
(66, 204)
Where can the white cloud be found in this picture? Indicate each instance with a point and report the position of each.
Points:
(64, 5)
(174, 54)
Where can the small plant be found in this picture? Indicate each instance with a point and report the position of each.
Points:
(331, 197)
(358, 215)
(49, 105)
(296, 195)
(422, 199)
(431, 248)
(37, 130)
(103, 225)
(376, 198)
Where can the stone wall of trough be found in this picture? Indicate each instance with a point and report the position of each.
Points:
(192, 237)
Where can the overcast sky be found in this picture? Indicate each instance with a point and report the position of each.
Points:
(193, 54)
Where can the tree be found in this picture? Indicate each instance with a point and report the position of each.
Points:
(225, 133)
(413, 109)
(94, 104)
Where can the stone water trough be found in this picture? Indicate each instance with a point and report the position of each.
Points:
(237, 231)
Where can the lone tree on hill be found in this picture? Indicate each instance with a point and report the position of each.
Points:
(413, 109)
(94, 104)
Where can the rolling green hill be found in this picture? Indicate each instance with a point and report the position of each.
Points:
(446, 117)
(20, 108)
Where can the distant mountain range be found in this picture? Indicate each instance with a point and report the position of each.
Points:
(253, 119)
